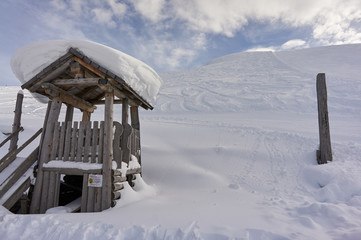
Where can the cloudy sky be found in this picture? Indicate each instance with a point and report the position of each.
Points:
(178, 34)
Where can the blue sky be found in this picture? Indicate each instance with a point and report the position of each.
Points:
(178, 34)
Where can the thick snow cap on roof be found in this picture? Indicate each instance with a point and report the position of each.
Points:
(31, 59)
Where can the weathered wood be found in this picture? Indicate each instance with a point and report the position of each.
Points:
(86, 116)
(125, 143)
(88, 136)
(67, 97)
(116, 195)
(107, 150)
(69, 113)
(94, 142)
(74, 141)
(19, 172)
(102, 102)
(117, 151)
(84, 196)
(11, 136)
(55, 141)
(9, 203)
(72, 171)
(45, 153)
(90, 200)
(98, 200)
(118, 179)
(125, 111)
(134, 117)
(67, 142)
(51, 190)
(117, 187)
(61, 141)
(44, 192)
(325, 151)
(80, 148)
(9, 158)
(57, 189)
(101, 140)
(17, 122)
(76, 82)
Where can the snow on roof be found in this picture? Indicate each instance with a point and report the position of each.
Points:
(31, 59)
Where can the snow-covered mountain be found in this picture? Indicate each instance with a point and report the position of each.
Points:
(229, 153)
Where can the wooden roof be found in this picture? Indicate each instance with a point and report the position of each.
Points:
(81, 82)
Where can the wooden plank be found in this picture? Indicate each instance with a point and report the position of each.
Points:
(80, 148)
(125, 107)
(107, 150)
(55, 141)
(91, 199)
(117, 187)
(20, 170)
(74, 142)
(117, 151)
(9, 203)
(101, 142)
(325, 151)
(45, 153)
(73, 171)
(51, 190)
(61, 141)
(67, 97)
(16, 122)
(76, 82)
(126, 142)
(69, 113)
(57, 189)
(88, 136)
(9, 158)
(98, 200)
(84, 195)
(10, 136)
(94, 142)
(67, 142)
(102, 102)
(44, 192)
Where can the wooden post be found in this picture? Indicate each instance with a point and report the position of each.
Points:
(17, 120)
(324, 154)
(107, 150)
(125, 111)
(69, 113)
(86, 116)
(38, 195)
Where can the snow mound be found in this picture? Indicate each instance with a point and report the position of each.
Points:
(31, 59)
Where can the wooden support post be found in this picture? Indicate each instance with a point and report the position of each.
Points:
(46, 147)
(134, 116)
(107, 150)
(86, 116)
(324, 154)
(69, 113)
(125, 111)
(17, 120)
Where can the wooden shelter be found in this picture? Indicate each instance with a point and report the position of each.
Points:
(81, 156)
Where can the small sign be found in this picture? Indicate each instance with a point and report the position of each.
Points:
(95, 180)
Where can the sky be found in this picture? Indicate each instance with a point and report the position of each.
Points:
(171, 35)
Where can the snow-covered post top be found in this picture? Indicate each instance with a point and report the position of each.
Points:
(31, 59)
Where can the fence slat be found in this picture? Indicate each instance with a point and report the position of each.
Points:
(61, 141)
(74, 142)
(80, 147)
(88, 136)
(94, 147)
(67, 142)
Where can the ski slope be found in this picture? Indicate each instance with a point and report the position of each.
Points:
(229, 153)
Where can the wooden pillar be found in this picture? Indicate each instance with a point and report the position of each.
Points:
(16, 124)
(86, 116)
(107, 150)
(69, 113)
(39, 196)
(324, 154)
(125, 111)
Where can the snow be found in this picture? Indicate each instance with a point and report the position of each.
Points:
(68, 164)
(31, 59)
(229, 152)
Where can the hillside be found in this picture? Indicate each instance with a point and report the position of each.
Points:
(229, 153)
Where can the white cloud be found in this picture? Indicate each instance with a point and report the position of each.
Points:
(104, 16)
(150, 9)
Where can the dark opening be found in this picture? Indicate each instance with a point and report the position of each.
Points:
(70, 189)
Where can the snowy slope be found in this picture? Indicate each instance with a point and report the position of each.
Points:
(229, 153)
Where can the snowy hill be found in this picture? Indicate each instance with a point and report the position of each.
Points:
(229, 153)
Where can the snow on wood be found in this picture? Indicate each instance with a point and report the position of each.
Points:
(31, 59)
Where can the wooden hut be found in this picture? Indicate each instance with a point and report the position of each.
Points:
(81, 156)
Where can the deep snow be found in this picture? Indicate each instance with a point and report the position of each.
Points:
(229, 153)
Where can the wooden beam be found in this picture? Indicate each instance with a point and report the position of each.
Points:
(102, 102)
(68, 98)
(10, 202)
(83, 82)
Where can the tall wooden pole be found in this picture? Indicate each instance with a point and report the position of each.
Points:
(324, 154)
(17, 119)
(45, 154)
(107, 150)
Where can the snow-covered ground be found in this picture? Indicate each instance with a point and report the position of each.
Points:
(229, 153)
